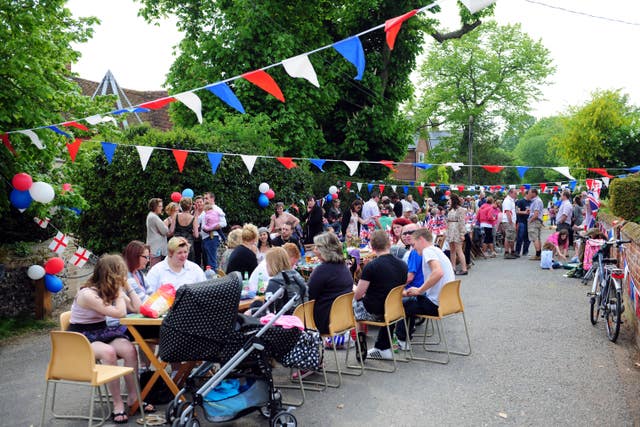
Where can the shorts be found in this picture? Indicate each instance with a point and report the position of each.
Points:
(362, 314)
(535, 229)
(488, 235)
(509, 232)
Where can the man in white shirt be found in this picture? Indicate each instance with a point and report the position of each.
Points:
(565, 214)
(437, 271)
(211, 238)
(371, 211)
(509, 223)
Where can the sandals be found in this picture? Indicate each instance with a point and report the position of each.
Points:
(123, 417)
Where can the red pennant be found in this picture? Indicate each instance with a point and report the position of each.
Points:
(555, 188)
(492, 168)
(348, 185)
(392, 26)
(420, 189)
(601, 171)
(76, 125)
(522, 189)
(265, 82)
(389, 164)
(181, 157)
(287, 162)
(543, 187)
(589, 183)
(381, 186)
(158, 103)
(7, 143)
(73, 148)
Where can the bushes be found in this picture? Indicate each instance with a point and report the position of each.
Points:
(623, 196)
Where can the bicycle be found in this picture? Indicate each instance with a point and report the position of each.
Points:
(606, 290)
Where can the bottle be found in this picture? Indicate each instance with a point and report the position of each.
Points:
(345, 254)
(395, 346)
(261, 286)
(245, 286)
(209, 273)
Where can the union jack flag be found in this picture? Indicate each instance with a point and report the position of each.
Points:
(591, 204)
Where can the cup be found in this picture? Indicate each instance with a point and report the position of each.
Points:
(307, 259)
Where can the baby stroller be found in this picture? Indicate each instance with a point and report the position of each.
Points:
(203, 324)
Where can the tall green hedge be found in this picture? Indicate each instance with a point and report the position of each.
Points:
(624, 198)
(118, 193)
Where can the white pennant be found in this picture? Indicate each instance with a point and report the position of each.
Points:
(359, 185)
(433, 189)
(455, 166)
(476, 5)
(393, 187)
(33, 137)
(511, 186)
(249, 162)
(97, 118)
(605, 181)
(144, 153)
(352, 165)
(558, 183)
(192, 101)
(300, 67)
(564, 170)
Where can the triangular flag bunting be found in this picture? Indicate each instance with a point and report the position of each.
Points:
(460, 188)
(76, 125)
(181, 157)
(130, 110)
(492, 168)
(423, 165)
(73, 149)
(406, 189)
(433, 188)
(214, 159)
(564, 170)
(265, 82)
(522, 170)
(287, 162)
(352, 165)
(80, 257)
(33, 137)
(420, 189)
(7, 143)
(389, 164)
(475, 6)
(249, 162)
(144, 152)
(601, 171)
(635, 169)
(193, 102)
(300, 67)
(58, 131)
(455, 166)
(353, 52)
(157, 103)
(319, 163)
(393, 187)
(97, 118)
(381, 186)
(224, 92)
(359, 185)
(605, 181)
(392, 26)
(369, 187)
(589, 182)
(348, 184)
(543, 186)
(109, 149)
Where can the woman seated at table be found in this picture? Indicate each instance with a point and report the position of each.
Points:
(244, 257)
(234, 239)
(107, 293)
(176, 269)
(560, 241)
(264, 242)
(278, 266)
(136, 256)
(328, 280)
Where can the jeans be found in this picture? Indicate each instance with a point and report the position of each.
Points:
(210, 248)
(412, 306)
(522, 241)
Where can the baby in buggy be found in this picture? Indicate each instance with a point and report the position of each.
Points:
(203, 325)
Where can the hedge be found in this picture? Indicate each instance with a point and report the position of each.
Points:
(624, 197)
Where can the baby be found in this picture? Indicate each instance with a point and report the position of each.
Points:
(211, 218)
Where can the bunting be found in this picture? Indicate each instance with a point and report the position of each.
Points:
(7, 143)
(492, 168)
(214, 159)
(158, 103)
(300, 67)
(249, 162)
(601, 171)
(109, 150)
(193, 102)
(226, 95)
(73, 148)
(76, 125)
(144, 153)
(35, 140)
(392, 27)
(352, 165)
(287, 162)
(351, 49)
(319, 163)
(181, 157)
(265, 82)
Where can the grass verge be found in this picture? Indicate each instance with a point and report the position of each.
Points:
(13, 327)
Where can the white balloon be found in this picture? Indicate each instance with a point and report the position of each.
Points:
(35, 272)
(42, 192)
(333, 189)
(264, 187)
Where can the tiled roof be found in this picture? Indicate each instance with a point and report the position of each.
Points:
(158, 119)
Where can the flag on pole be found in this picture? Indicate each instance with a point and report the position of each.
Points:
(80, 257)
(43, 223)
(59, 243)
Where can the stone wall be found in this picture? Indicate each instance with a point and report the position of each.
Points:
(17, 292)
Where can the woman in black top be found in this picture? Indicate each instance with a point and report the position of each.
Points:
(329, 280)
(314, 220)
(244, 257)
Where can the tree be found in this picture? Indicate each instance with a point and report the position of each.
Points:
(603, 133)
(491, 75)
(534, 148)
(345, 118)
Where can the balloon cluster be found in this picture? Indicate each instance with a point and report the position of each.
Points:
(25, 191)
(266, 194)
(187, 192)
(52, 267)
(333, 193)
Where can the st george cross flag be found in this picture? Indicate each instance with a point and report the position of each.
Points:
(43, 223)
(59, 243)
(80, 257)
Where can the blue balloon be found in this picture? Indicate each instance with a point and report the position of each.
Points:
(20, 199)
(52, 283)
(263, 201)
(328, 198)
(187, 192)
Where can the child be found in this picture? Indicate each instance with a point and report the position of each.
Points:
(546, 257)
(552, 215)
(211, 218)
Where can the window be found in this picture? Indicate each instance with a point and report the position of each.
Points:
(420, 157)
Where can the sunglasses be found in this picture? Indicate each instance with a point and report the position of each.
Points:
(408, 233)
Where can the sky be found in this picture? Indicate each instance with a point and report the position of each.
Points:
(589, 53)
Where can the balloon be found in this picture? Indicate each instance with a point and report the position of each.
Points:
(334, 196)
(66, 187)
(54, 265)
(270, 194)
(35, 272)
(22, 181)
(42, 192)
(175, 197)
(187, 192)
(20, 199)
(447, 193)
(328, 198)
(52, 283)
(263, 188)
(263, 201)
(333, 190)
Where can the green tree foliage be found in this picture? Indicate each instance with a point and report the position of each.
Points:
(603, 133)
(118, 193)
(535, 148)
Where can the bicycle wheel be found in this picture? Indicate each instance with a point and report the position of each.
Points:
(613, 310)
(595, 299)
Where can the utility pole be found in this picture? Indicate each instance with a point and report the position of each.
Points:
(470, 150)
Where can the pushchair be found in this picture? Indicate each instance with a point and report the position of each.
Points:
(203, 325)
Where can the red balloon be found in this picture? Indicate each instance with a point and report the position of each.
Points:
(334, 196)
(447, 193)
(270, 194)
(22, 181)
(175, 197)
(54, 265)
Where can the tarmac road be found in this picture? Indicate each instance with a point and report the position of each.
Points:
(536, 361)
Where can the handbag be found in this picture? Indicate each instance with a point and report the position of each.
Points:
(306, 353)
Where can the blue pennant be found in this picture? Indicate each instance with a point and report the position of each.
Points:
(109, 149)
(522, 170)
(353, 52)
(224, 92)
(572, 185)
(369, 187)
(61, 132)
(130, 110)
(318, 163)
(423, 165)
(406, 189)
(635, 169)
(214, 159)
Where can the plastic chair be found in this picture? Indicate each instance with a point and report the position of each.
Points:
(450, 304)
(393, 313)
(73, 362)
(65, 320)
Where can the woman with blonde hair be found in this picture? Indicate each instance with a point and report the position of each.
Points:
(107, 293)
(234, 239)
(283, 275)
(244, 257)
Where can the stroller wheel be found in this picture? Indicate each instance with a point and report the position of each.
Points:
(284, 419)
(265, 412)
(193, 422)
(173, 412)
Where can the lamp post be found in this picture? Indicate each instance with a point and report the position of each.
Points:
(470, 149)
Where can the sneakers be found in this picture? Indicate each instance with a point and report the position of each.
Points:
(509, 255)
(402, 345)
(377, 354)
(534, 258)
